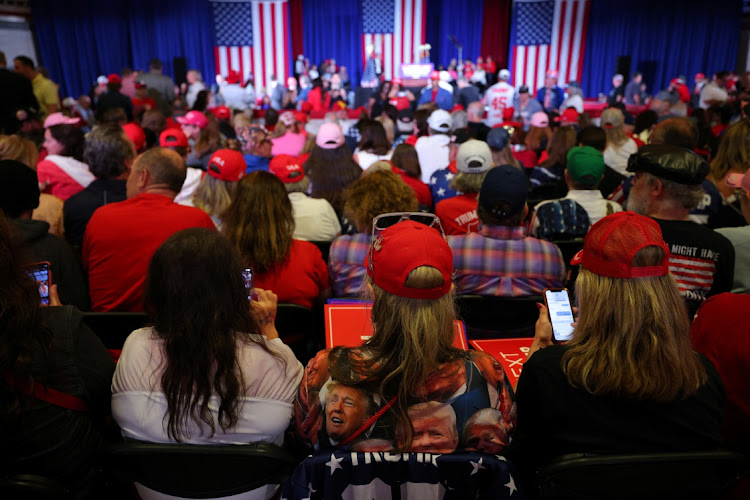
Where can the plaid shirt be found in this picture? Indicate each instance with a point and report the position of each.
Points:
(346, 263)
(503, 261)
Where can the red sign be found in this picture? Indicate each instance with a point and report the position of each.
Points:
(511, 353)
(349, 325)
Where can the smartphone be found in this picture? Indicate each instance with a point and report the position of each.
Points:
(560, 313)
(247, 277)
(41, 274)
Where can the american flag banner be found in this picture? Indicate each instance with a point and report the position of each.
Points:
(252, 38)
(547, 34)
(395, 28)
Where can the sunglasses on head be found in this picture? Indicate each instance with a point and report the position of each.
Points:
(384, 221)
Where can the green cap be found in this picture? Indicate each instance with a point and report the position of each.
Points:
(585, 164)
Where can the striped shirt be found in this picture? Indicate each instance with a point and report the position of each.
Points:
(346, 263)
(503, 261)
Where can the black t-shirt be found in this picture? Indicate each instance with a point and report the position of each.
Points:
(614, 93)
(555, 418)
(611, 181)
(702, 260)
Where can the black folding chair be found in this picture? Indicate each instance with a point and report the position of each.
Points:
(33, 487)
(300, 328)
(498, 317)
(685, 475)
(113, 328)
(199, 471)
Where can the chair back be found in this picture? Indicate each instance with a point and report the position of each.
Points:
(113, 328)
(684, 475)
(498, 317)
(199, 471)
(33, 487)
(301, 328)
(324, 247)
(415, 476)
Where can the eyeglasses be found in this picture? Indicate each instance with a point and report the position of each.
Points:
(384, 221)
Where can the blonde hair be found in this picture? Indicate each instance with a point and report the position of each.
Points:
(14, 147)
(632, 339)
(388, 126)
(504, 157)
(214, 196)
(378, 166)
(241, 120)
(466, 182)
(412, 338)
(733, 154)
(615, 135)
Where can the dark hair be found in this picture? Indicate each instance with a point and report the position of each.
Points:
(420, 118)
(405, 157)
(391, 111)
(259, 221)
(209, 139)
(155, 63)
(21, 330)
(114, 86)
(562, 140)
(113, 115)
(722, 74)
(676, 131)
(71, 137)
(645, 120)
(201, 101)
(512, 220)
(164, 167)
(373, 138)
(637, 74)
(107, 150)
(200, 331)
(593, 136)
(25, 61)
(330, 172)
(272, 117)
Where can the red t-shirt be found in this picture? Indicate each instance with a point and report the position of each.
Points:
(434, 94)
(299, 279)
(119, 242)
(421, 190)
(527, 158)
(458, 215)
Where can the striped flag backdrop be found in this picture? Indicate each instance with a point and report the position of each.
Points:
(252, 38)
(395, 28)
(547, 34)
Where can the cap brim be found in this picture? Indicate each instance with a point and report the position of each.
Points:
(577, 258)
(182, 121)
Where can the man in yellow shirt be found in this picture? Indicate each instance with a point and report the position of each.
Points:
(45, 90)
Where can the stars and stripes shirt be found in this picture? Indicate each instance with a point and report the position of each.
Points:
(346, 263)
(440, 183)
(503, 261)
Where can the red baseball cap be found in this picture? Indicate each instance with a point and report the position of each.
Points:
(233, 77)
(221, 112)
(227, 165)
(195, 118)
(396, 81)
(173, 138)
(569, 115)
(287, 168)
(435, 75)
(403, 247)
(553, 73)
(113, 78)
(136, 134)
(611, 244)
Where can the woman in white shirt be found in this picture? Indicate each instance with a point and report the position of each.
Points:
(619, 146)
(211, 369)
(373, 145)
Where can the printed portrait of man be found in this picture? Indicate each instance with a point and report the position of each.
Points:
(485, 431)
(347, 408)
(434, 428)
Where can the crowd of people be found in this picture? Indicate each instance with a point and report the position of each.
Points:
(148, 197)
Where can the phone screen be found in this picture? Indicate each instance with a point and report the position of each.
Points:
(247, 276)
(560, 313)
(40, 273)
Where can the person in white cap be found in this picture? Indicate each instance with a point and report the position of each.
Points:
(498, 97)
(432, 149)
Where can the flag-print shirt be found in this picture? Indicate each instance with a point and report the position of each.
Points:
(503, 261)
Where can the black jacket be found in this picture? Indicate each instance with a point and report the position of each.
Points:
(79, 208)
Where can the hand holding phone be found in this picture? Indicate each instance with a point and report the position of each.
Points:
(247, 277)
(42, 276)
(560, 313)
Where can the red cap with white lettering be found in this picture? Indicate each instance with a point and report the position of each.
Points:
(227, 165)
(287, 168)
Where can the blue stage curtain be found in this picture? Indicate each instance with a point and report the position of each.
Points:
(79, 40)
(333, 29)
(664, 40)
(463, 20)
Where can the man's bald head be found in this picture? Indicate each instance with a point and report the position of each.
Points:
(166, 168)
(474, 111)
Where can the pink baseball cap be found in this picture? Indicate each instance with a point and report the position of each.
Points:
(60, 119)
(329, 136)
(402, 248)
(195, 118)
(287, 168)
(227, 165)
(539, 119)
(741, 181)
